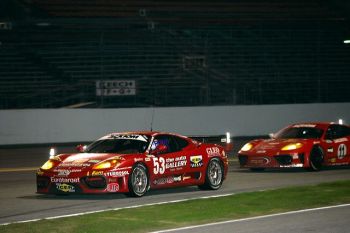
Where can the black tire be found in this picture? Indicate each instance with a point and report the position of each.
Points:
(138, 181)
(257, 169)
(316, 159)
(214, 175)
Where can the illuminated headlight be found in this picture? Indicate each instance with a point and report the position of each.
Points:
(106, 164)
(292, 146)
(247, 147)
(48, 165)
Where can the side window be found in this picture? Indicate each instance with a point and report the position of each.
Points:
(347, 130)
(343, 131)
(181, 143)
(167, 141)
(330, 132)
(337, 131)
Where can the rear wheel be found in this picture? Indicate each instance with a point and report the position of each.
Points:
(138, 181)
(316, 159)
(214, 175)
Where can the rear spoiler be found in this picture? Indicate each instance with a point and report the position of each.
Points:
(223, 140)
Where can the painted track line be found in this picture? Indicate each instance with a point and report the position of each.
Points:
(252, 218)
(18, 169)
(121, 208)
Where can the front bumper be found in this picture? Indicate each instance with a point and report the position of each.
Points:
(77, 185)
(271, 161)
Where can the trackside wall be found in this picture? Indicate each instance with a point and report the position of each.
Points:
(72, 125)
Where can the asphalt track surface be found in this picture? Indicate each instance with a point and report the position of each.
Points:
(19, 201)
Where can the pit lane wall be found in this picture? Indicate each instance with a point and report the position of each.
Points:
(76, 125)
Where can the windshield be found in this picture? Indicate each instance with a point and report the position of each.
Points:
(120, 146)
(299, 132)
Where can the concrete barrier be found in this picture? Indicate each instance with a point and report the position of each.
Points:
(73, 125)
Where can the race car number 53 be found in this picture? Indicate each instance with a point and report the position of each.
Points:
(159, 165)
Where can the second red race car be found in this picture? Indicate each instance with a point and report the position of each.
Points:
(307, 145)
(134, 162)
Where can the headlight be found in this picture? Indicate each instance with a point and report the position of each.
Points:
(106, 164)
(48, 165)
(292, 146)
(247, 147)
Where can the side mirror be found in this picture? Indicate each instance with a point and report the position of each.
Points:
(160, 149)
(81, 148)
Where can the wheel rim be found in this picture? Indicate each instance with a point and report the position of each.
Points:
(215, 173)
(139, 180)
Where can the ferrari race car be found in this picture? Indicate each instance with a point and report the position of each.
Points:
(307, 145)
(134, 162)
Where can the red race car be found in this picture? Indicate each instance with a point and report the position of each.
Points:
(307, 145)
(134, 162)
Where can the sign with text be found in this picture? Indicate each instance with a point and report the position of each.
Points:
(115, 87)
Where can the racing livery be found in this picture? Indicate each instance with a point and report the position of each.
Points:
(134, 162)
(307, 145)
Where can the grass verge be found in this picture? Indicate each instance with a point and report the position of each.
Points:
(165, 216)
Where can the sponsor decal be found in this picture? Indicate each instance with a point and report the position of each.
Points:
(129, 136)
(304, 126)
(112, 180)
(94, 161)
(65, 188)
(147, 159)
(261, 151)
(196, 161)
(138, 159)
(96, 173)
(116, 173)
(342, 151)
(332, 160)
(330, 150)
(167, 180)
(74, 165)
(339, 140)
(112, 187)
(63, 173)
(260, 161)
(175, 163)
(213, 151)
(64, 180)
(160, 164)
(293, 165)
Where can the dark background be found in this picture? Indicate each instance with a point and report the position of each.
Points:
(180, 53)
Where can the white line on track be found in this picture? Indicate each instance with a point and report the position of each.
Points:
(121, 208)
(251, 218)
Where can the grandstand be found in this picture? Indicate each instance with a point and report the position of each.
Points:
(180, 53)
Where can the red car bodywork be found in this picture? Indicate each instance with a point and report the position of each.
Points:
(318, 144)
(183, 165)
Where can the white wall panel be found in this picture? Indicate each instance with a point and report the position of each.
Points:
(71, 125)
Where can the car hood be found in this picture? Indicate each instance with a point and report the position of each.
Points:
(274, 145)
(85, 160)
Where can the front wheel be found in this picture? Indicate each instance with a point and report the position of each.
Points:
(214, 175)
(138, 181)
(316, 159)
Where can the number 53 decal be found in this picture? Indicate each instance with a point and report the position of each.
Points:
(159, 165)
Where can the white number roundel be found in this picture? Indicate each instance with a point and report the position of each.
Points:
(342, 151)
(159, 165)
